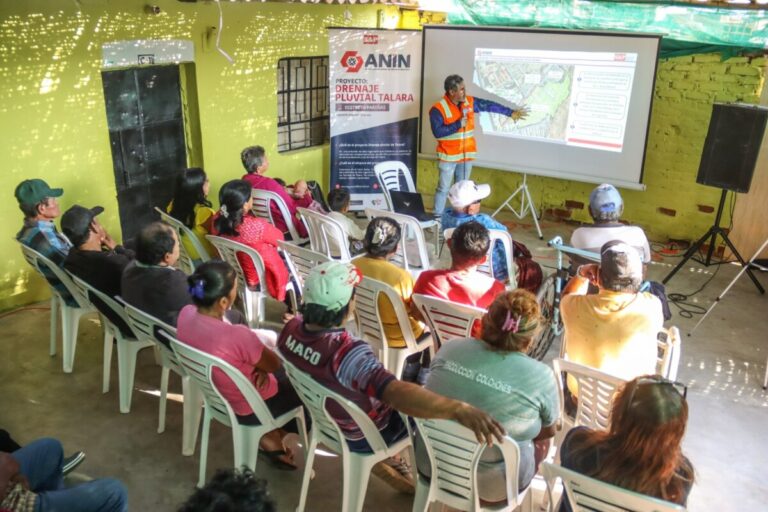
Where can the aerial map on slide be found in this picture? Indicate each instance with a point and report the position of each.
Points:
(575, 98)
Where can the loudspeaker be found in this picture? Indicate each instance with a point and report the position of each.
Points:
(733, 142)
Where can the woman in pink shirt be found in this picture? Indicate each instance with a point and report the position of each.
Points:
(235, 221)
(203, 325)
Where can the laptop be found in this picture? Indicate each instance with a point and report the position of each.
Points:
(409, 203)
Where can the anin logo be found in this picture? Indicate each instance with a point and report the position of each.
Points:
(370, 38)
(353, 61)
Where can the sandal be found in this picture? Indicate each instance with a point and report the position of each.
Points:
(273, 456)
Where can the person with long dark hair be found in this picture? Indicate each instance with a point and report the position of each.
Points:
(235, 221)
(641, 451)
(191, 207)
(213, 288)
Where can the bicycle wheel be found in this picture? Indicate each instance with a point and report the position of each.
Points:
(546, 299)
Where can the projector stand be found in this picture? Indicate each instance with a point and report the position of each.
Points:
(713, 232)
(526, 204)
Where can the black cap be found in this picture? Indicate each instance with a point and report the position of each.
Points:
(77, 220)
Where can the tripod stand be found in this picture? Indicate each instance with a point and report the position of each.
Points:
(712, 234)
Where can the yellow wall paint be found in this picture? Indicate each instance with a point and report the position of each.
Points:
(52, 117)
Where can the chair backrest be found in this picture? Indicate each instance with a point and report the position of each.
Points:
(596, 393)
(149, 328)
(326, 235)
(301, 260)
(388, 175)
(412, 235)
(369, 324)
(669, 353)
(186, 262)
(447, 320)
(315, 397)
(588, 494)
(505, 239)
(228, 250)
(454, 454)
(41, 264)
(114, 309)
(199, 366)
(262, 201)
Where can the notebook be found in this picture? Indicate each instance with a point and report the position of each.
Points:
(409, 203)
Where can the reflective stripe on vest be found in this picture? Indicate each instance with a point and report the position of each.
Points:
(458, 135)
(469, 155)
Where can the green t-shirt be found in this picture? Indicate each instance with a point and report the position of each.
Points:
(520, 392)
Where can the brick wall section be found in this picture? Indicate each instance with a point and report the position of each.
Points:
(673, 204)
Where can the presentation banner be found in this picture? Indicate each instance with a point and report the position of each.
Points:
(374, 81)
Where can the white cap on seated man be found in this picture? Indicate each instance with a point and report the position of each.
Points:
(606, 207)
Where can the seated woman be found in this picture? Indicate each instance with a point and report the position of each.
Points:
(641, 451)
(380, 241)
(495, 375)
(213, 288)
(191, 207)
(235, 221)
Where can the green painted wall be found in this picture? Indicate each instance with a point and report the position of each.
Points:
(686, 87)
(52, 116)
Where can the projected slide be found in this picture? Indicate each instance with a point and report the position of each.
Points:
(575, 98)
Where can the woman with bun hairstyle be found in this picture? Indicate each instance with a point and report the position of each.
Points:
(203, 325)
(235, 221)
(191, 207)
(495, 375)
(641, 451)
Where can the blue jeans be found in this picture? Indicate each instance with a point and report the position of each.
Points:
(449, 171)
(41, 463)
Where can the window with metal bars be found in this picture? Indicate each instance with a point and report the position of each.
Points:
(302, 102)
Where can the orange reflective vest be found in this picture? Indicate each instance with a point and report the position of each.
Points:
(459, 146)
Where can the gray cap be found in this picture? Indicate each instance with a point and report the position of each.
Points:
(620, 266)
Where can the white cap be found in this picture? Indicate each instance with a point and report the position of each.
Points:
(464, 193)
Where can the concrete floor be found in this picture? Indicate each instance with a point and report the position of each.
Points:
(722, 363)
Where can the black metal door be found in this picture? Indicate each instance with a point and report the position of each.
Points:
(146, 132)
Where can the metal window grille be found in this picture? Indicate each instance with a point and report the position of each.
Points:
(303, 102)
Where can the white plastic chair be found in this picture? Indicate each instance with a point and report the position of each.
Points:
(128, 344)
(254, 301)
(669, 353)
(186, 262)
(388, 175)
(70, 315)
(356, 465)
(486, 267)
(326, 235)
(149, 327)
(300, 261)
(371, 328)
(199, 366)
(412, 235)
(454, 454)
(590, 495)
(447, 320)
(261, 208)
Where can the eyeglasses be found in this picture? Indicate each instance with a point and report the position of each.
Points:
(681, 388)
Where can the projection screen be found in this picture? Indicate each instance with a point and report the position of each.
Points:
(589, 95)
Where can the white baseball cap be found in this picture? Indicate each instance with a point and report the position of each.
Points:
(464, 193)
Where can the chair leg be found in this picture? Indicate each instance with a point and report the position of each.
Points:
(204, 447)
(421, 501)
(193, 401)
(309, 461)
(107, 364)
(54, 324)
(163, 398)
(127, 352)
(357, 471)
(246, 444)
(70, 318)
(302, 425)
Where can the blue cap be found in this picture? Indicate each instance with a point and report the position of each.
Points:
(605, 199)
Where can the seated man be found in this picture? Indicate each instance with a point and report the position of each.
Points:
(465, 197)
(31, 479)
(614, 330)
(38, 203)
(606, 207)
(462, 282)
(317, 343)
(338, 201)
(255, 161)
(151, 283)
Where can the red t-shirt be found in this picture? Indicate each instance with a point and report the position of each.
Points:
(470, 288)
(263, 237)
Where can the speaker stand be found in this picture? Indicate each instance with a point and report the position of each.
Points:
(712, 234)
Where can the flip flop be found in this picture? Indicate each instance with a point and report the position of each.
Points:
(273, 456)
